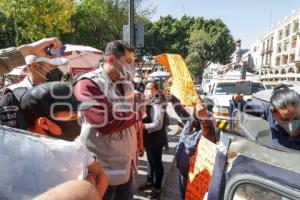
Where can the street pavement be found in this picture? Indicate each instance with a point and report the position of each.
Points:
(170, 188)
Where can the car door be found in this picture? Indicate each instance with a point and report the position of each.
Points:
(251, 127)
(254, 171)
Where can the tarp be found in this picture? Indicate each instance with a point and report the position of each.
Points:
(81, 57)
(32, 164)
(183, 86)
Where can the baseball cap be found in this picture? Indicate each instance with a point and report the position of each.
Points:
(54, 61)
(48, 98)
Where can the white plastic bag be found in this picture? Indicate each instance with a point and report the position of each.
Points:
(31, 164)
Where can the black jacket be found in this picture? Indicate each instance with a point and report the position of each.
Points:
(155, 139)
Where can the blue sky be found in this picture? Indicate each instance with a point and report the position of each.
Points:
(245, 18)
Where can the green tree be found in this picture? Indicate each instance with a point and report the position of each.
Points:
(199, 52)
(7, 32)
(181, 30)
(210, 42)
(168, 35)
(35, 19)
(199, 40)
(99, 21)
(90, 24)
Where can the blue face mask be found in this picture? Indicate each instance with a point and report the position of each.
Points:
(290, 126)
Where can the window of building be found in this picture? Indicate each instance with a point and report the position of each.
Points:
(287, 30)
(278, 59)
(280, 35)
(279, 48)
(292, 58)
(296, 26)
(284, 60)
(294, 42)
(271, 43)
(291, 70)
(286, 46)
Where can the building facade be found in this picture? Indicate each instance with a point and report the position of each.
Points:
(280, 51)
(255, 52)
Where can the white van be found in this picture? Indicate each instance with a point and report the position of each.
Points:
(221, 93)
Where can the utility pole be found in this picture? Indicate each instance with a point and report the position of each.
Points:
(242, 67)
(131, 23)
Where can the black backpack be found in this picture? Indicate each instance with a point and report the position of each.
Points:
(186, 148)
(10, 109)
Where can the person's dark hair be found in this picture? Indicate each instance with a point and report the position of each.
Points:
(138, 73)
(154, 83)
(282, 97)
(117, 48)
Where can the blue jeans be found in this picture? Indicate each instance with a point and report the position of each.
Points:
(121, 192)
(182, 185)
(155, 170)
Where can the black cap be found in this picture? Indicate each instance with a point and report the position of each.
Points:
(49, 97)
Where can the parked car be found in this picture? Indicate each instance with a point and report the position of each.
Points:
(248, 170)
(255, 169)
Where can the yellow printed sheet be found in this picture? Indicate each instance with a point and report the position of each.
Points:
(183, 86)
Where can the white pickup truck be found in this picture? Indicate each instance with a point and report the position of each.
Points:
(221, 93)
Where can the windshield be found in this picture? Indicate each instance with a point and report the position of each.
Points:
(225, 88)
(230, 88)
(256, 87)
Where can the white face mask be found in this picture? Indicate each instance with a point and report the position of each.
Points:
(127, 72)
(137, 79)
(148, 94)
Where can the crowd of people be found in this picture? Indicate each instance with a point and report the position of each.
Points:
(113, 112)
(117, 115)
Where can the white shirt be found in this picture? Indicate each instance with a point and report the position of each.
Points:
(157, 116)
(89, 156)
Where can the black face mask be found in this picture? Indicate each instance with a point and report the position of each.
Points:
(70, 129)
(54, 75)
